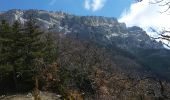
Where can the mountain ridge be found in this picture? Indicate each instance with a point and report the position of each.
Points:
(105, 29)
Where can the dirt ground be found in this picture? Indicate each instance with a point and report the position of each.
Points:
(43, 95)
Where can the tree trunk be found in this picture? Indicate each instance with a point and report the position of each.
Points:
(36, 90)
(15, 78)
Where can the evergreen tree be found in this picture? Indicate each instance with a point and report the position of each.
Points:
(37, 51)
(34, 46)
(16, 50)
(11, 42)
(5, 41)
(24, 50)
(5, 68)
(33, 50)
(50, 49)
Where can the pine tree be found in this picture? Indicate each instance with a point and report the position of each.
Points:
(11, 42)
(5, 41)
(16, 50)
(5, 69)
(33, 50)
(34, 46)
(50, 49)
(25, 50)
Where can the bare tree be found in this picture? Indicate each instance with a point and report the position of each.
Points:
(161, 3)
(164, 34)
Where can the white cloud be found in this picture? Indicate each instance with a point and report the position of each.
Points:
(146, 15)
(87, 4)
(52, 2)
(94, 5)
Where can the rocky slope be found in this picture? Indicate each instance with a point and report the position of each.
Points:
(101, 29)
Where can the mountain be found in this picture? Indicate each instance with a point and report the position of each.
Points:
(102, 29)
(100, 54)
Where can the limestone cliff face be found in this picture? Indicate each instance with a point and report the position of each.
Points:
(104, 30)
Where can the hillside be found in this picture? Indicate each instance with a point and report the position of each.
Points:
(97, 58)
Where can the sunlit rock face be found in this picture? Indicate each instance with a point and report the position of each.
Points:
(104, 30)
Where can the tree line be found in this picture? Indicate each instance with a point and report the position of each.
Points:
(25, 51)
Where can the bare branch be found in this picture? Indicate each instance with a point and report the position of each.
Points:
(165, 4)
(166, 9)
(156, 2)
(162, 3)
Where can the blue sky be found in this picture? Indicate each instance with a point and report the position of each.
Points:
(109, 8)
